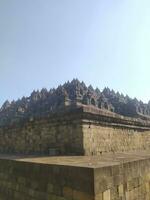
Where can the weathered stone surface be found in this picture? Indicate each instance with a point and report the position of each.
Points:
(76, 178)
(82, 130)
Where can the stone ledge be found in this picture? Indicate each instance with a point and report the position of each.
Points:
(106, 159)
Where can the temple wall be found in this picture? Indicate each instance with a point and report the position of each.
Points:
(78, 132)
(34, 181)
(46, 136)
(128, 181)
(70, 138)
(99, 139)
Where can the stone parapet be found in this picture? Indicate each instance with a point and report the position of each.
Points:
(108, 177)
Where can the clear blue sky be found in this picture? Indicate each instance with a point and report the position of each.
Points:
(44, 43)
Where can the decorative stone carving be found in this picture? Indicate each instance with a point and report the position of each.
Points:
(71, 93)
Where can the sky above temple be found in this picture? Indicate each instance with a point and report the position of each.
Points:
(44, 43)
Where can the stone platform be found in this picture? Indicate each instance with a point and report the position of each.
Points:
(119, 176)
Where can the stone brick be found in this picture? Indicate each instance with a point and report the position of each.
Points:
(121, 190)
(68, 193)
(77, 195)
(106, 195)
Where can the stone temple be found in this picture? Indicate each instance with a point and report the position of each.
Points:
(75, 143)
